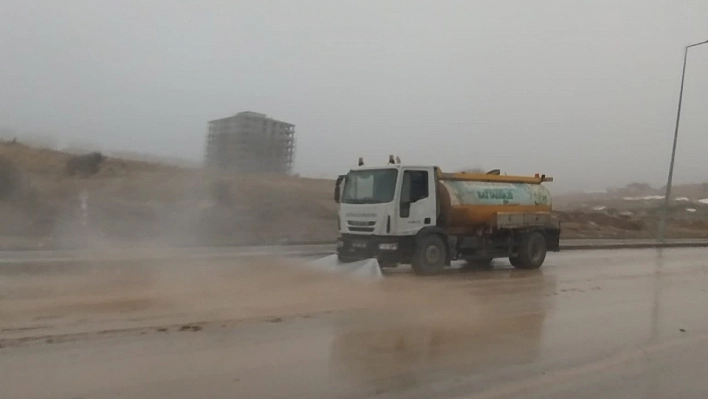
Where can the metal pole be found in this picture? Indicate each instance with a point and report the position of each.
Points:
(667, 199)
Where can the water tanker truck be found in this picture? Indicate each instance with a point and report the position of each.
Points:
(421, 216)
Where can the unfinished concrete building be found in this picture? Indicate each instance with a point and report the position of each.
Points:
(250, 142)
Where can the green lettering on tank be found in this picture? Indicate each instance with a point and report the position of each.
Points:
(492, 193)
(485, 193)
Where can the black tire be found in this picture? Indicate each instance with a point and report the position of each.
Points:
(531, 252)
(430, 255)
(515, 261)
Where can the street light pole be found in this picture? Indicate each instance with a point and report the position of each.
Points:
(667, 198)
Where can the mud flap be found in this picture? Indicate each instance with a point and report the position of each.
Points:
(367, 268)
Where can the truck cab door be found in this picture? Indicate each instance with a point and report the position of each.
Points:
(416, 207)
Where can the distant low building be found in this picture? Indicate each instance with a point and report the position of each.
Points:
(250, 142)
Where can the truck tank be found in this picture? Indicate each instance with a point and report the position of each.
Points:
(470, 201)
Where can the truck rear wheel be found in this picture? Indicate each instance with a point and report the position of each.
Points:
(430, 255)
(515, 261)
(531, 252)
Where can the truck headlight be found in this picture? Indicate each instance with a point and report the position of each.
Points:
(388, 246)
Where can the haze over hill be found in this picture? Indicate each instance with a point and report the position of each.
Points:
(584, 91)
(136, 203)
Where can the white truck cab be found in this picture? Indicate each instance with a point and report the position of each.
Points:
(392, 201)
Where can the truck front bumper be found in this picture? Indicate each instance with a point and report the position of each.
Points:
(388, 250)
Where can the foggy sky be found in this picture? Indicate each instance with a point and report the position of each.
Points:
(585, 91)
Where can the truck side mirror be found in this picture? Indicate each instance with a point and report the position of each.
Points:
(338, 190)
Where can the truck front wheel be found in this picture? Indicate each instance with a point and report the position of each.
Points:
(531, 252)
(430, 255)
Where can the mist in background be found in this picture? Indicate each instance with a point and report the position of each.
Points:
(585, 91)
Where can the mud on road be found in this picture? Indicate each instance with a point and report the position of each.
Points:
(72, 297)
(47, 299)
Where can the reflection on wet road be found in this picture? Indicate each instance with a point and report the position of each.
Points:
(602, 324)
(403, 349)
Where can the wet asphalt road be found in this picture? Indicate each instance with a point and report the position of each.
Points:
(50, 257)
(595, 324)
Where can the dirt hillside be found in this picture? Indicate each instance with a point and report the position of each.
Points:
(130, 202)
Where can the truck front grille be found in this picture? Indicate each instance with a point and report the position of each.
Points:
(361, 226)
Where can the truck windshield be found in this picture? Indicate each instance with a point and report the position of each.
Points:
(370, 186)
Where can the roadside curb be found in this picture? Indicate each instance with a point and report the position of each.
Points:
(301, 251)
(606, 245)
(638, 245)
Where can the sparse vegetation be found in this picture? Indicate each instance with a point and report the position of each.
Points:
(638, 187)
(10, 179)
(85, 165)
